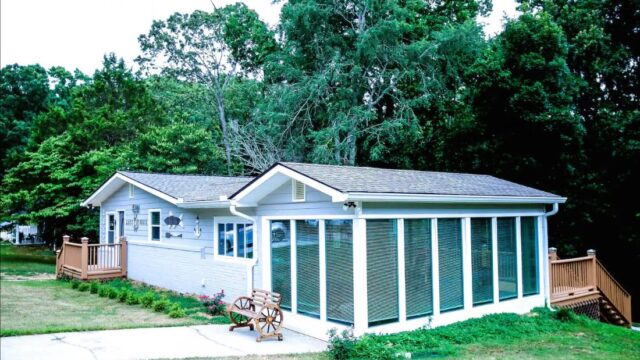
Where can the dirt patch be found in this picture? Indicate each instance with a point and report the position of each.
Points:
(42, 276)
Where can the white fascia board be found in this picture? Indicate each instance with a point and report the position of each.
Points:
(463, 199)
(118, 176)
(336, 196)
(214, 204)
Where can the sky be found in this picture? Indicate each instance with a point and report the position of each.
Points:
(76, 34)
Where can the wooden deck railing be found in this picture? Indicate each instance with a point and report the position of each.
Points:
(578, 277)
(92, 261)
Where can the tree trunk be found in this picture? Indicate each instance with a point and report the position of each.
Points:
(225, 133)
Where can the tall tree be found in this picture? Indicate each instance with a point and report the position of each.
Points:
(210, 49)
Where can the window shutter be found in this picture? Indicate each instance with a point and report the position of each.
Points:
(507, 265)
(529, 239)
(382, 271)
(450, 264)
(298, 191)
(482, 260)
(417, 268)
(281, 260)
(339, 264)
(308, 265)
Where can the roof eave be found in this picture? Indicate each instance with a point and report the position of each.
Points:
(459, 199)
(205, 204)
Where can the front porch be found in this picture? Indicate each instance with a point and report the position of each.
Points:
(91, 261)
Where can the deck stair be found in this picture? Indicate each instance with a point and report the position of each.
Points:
(584, 285)
(91, 261)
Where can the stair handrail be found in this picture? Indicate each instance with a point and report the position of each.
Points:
(623, 303)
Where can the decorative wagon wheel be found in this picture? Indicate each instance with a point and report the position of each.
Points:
(241, 303)
(269, 322)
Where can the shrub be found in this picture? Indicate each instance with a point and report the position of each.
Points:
(176, 311)
(75, 284)
(83, 287)
(123, 295)
(341, 345)
(93, 287)
(103, 291)
(133, 299)
(147, 299)
(160, 305)
(564, 315)
(112, 293)
(214, 304)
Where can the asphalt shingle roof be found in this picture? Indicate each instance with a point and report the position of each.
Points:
(374, 180)
(190, 187)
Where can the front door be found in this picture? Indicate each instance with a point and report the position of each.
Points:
(111, 228)
(120, 225)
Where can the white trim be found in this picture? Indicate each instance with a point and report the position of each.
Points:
(150, 224)
(467, 271)
(293, 265)
(323, 271)
(336, 196)
(118, 176)
(494, 248)
(435, 263)
(402, 286)
(217, 220)
(360, 295)
(519, 257)
(115, 226)
(463, 199)
(124, 214)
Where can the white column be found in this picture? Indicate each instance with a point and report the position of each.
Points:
(360, 311)
(519, 256)
(265, 254)
(402, 290)
(294, 268)
(467, 277)
(543, 258)
(494, 246)
(323, 272)
(435, 263)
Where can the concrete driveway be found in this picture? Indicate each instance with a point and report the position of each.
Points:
(154, 343)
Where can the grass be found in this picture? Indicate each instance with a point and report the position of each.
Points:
(25, 260)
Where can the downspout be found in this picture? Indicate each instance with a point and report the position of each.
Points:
(547, 293)
(252, 264)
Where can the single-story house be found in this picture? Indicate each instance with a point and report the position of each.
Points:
(377, 249)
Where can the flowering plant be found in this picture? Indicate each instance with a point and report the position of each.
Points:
(214, 304)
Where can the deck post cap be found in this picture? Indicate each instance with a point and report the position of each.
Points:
(552, 250)
(84, 239)
(591, 252)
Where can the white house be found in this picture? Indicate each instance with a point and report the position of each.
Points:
(380, 250)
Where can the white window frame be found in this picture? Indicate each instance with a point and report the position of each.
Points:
(293, 191)
(132, 191)
(106, 227)
(124, 215)
(235, 221)
(150, 225)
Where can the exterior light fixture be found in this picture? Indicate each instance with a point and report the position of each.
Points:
(348, 205)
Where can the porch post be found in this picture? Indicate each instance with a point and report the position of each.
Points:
(360, 302)
(123, 256)
(84, 258)
(594, 279)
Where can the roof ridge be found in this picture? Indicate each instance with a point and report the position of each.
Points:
(201, 175)
(380, 168)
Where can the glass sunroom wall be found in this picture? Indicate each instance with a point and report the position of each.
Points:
(308, 267)
(450, 264)
(530, 271)
(418, 267)
(281, 260)
(382, 271)
(339, 271)
(482, 260)
(507, 259)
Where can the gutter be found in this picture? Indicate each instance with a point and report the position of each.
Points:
(545, 230)
(464, 199)
(252, 264)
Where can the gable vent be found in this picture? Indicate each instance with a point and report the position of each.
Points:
(298, 190)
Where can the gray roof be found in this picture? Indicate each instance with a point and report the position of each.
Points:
(190, 187)
(349, 179)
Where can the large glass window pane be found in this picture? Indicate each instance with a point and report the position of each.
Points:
(339, 265)
(417, 267)
(229, 241)
(529, 237)
(382, 271)
(507, 264)
(450, 264)
(249, 235)
(481, 261)
(240, 239)
(281, 260)
(221, 239)
(155, 225)
(111, 221)
(308, 266)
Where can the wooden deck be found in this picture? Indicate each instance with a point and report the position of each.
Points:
(92, 261)
(578, 281)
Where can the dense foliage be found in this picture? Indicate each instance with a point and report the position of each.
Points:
(550, 102)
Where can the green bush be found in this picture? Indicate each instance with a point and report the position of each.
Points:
(176, 311)
(84, 287)
(103, 291)
(93, 287)
(147, 299)
(160, 305)
(112, 293)
(564, 315)
(133, 299)
(75, 284)
(123, 295)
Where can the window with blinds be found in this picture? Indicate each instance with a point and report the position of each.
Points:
(507, 258)
(281, 260)
(481, 261)
(308, 267)
(339, 264)
(417, 267)
(382, 271)
(450, 264)
(529, 238)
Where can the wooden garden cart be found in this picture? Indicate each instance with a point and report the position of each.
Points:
(260, 311)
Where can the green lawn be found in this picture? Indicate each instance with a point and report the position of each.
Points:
(25, 260)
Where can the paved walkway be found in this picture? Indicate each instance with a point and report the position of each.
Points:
(154, 343)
